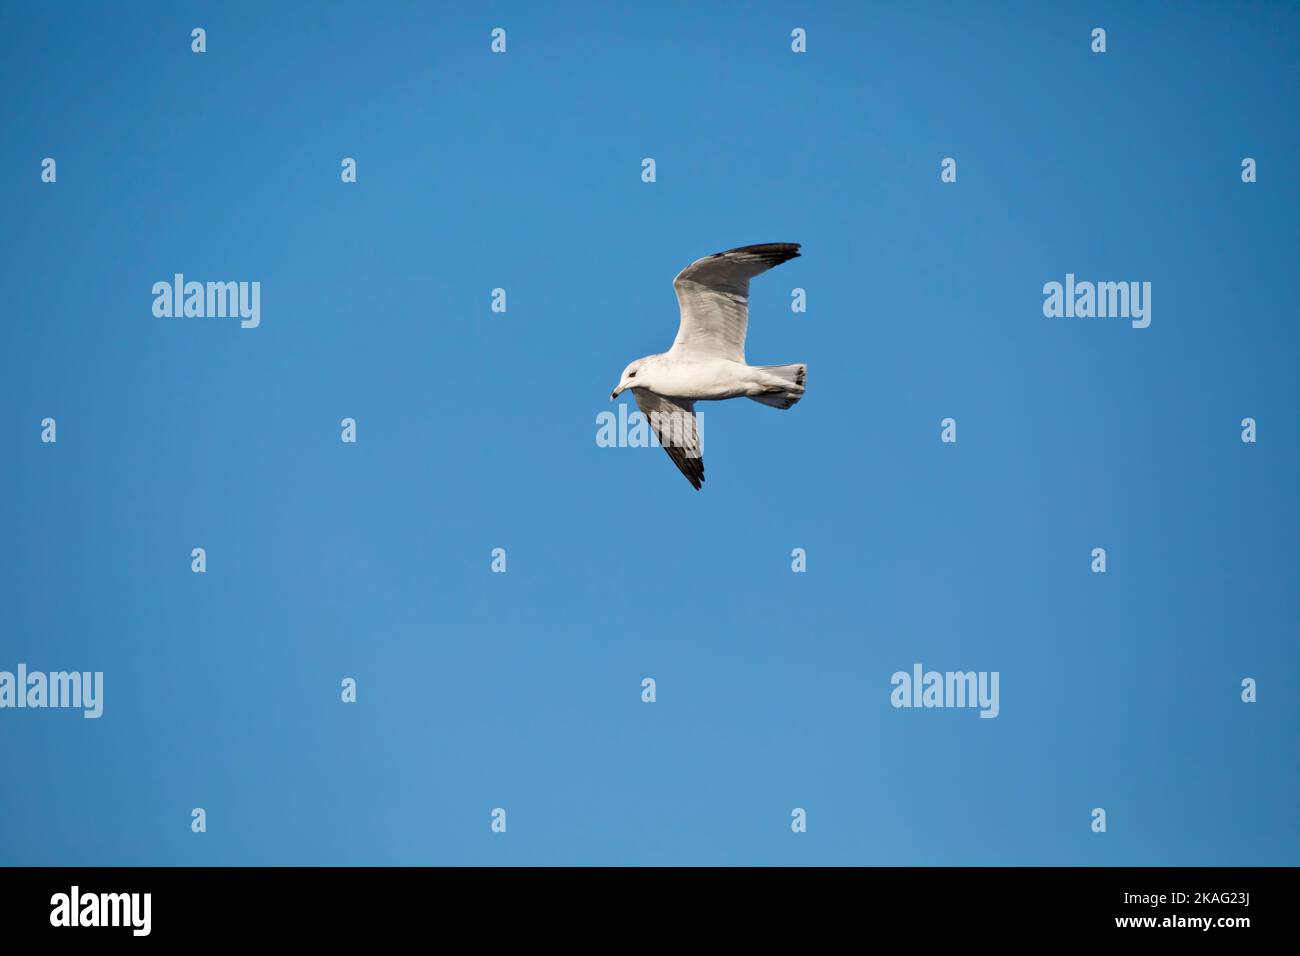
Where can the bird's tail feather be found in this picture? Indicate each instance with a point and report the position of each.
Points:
(783, 384)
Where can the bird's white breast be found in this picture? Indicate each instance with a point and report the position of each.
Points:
(709, 379)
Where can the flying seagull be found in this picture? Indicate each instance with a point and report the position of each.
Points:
(707, 360)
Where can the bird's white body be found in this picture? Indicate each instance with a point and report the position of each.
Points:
(703, 379)
(707, 360)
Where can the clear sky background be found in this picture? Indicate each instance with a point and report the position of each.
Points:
(477, 430)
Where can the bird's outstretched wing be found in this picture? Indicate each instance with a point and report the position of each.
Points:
(713, 294)
(673, 421)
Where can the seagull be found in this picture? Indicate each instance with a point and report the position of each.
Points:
(707, 360)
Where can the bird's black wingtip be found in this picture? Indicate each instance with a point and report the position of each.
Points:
(773, 252)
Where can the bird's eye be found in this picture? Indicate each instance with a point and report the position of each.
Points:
(631, 374)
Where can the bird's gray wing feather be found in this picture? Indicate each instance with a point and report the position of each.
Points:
(675, 425)
(713, 295)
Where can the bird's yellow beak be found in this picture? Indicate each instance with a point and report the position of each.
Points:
(615, 394)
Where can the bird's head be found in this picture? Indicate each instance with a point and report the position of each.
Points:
(627, 379)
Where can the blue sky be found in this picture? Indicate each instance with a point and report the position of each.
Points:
(477, 430)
